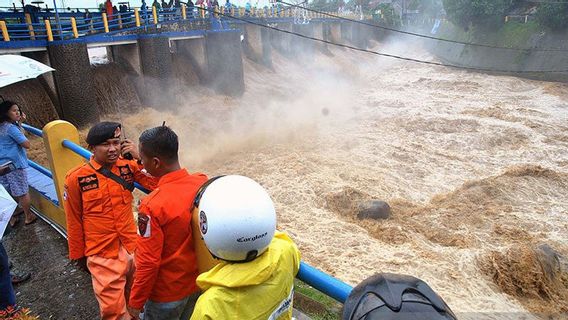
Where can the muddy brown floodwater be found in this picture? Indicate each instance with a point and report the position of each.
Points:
(474, 166)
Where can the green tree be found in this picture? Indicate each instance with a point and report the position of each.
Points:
(553, 15)
(483, 13)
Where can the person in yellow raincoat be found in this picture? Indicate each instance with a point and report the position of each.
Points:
(255, 278)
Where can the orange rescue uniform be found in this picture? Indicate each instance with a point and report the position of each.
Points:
(166, 265)
(99, 210)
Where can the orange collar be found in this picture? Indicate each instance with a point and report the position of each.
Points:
(172, 176)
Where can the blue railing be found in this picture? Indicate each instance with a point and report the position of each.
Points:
(323, 282)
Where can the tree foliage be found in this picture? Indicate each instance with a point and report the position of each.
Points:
(553, 15)
(477, 12)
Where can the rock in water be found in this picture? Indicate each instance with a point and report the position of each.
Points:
(373, 209)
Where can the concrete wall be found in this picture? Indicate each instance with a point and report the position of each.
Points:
(156, 66)
(73, 80)
(503, 59)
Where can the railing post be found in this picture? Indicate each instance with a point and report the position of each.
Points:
(137, 17)
(5, 34)
(216, 12)
(155, 15)
(61, 159)
(74, 27)
(120, 21)
(105, 22)
(48, 30)
(30, 26)
(183, 12)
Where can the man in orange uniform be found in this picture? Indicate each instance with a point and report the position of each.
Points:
(166, 265)
(100, 223)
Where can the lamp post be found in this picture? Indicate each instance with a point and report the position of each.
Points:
(57, 19)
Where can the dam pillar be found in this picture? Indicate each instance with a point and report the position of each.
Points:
(74, 83)
(256, 44)
(333, 33)
(303, 48)
(359, 35)
(345, 32)
(281, 41)
(156, 66)
(224, 62)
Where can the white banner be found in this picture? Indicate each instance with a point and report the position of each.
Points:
(7, 207)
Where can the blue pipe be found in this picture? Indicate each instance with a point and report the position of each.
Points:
(323, 282)
(32, 130)
(87, 155)
(40, 168)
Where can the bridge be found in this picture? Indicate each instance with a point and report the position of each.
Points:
(144, 42)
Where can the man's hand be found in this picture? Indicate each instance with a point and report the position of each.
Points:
(127, 146)
(134, 313)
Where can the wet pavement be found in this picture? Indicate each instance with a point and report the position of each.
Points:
(57, 288)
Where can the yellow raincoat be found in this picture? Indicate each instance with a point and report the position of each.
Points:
(259, 289)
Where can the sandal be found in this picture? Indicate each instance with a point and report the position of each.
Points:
(14, 221)
(16, 279)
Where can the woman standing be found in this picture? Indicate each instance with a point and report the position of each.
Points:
(12, 144)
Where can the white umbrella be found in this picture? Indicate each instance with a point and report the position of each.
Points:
(15, 68)
(7, 207)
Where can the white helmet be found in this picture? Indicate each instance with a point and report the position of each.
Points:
(237, 218)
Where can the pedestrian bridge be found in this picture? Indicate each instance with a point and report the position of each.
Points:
(35, 29)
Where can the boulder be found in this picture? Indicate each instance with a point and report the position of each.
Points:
(373, 209)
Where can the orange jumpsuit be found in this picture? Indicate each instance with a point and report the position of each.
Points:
(166, 265)
(100, 226)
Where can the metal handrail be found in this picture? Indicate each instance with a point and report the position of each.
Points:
(40, 168)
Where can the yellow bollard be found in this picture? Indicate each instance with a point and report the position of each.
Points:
(61, 159)
(105, 22)
(137, 17)
(5, 34)
(216, 11)
(222, 11)
(183, 12)
(48, 30)
(74, 28)
(506, 18)
(252, 12)
(241, 12)
(30, 26)
(155, 15)
(119, 21)
(232, 11)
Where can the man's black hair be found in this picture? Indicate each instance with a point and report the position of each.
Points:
(4, 108)
(160, 142)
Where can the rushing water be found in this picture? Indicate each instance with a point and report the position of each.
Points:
(473, 165)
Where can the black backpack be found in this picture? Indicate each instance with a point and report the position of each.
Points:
(388, 296)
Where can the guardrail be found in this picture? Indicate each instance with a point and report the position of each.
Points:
(47, 26)
(320, 280)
